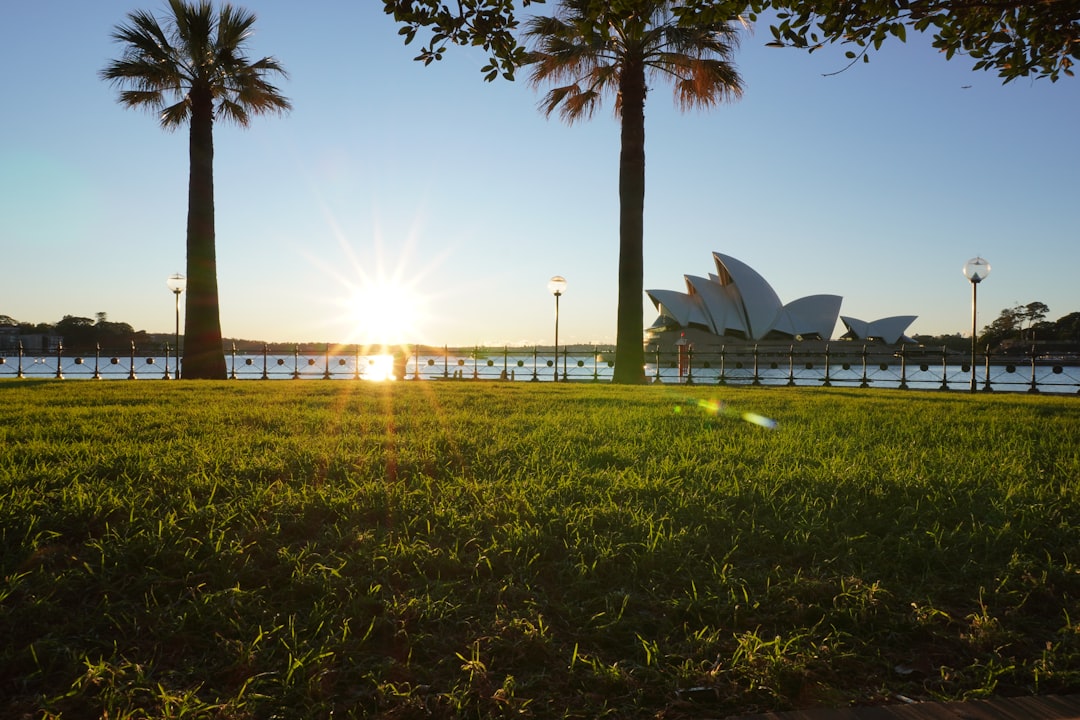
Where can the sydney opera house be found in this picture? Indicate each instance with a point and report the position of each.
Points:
(737, 303)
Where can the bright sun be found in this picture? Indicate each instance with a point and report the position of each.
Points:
(382, 293)
(385, 313)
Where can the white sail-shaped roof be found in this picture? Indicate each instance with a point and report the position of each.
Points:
(858, 329)
(756, 300)
(697, 313)
(890, 329)
(672, 304)
(814, 315)
(737, 300)
(716, 303)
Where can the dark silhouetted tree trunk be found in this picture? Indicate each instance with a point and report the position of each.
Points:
(629, 347)
(204, 355)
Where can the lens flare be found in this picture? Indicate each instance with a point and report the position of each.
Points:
(718, 408)
(761, 420)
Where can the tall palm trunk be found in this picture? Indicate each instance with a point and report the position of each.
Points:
(629, 346)
(204, 356)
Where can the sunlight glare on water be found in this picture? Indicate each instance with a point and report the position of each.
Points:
(380, 368)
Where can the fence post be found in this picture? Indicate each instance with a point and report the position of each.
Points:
(326, 363)
(690, 365)
(476, 355)
(446, 362)
(505, 375)
(265, 375)
(131, 373)
(595, 364)
(827, 382)
(722, 380)
(1034, 388)
(20, 373)
(296, 362)
(535, 377)
(232, 375)
(60, 358)
(865, 381)
(986, 377)
(791, 365)
(97, 357)
(903, 367)
(656, 363)
(757, 378)
(944, 368)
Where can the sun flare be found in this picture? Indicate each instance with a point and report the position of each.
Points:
(380, 368)
(381, 290)
(385, 313)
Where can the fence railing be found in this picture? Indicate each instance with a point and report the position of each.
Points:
(869, 366)
(828, 365)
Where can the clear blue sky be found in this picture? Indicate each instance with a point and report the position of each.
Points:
(876, 184)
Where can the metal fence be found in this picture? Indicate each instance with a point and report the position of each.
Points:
(828, 365)
(869, 366)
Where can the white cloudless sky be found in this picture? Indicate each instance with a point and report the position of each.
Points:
(399, 202)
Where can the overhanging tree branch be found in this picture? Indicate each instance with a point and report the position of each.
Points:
(1014, 38)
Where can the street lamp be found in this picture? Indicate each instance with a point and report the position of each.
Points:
(556, 285)
(976, 270)
(177, 283)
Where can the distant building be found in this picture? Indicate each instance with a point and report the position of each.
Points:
(736, 302)
(9, 337)
(32, 343)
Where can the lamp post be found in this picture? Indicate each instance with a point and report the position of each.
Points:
(177, 283)
(976, 270)
(557, 285)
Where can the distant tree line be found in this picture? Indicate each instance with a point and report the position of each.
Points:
(1022, 326)
(81, 334)
(1017, 330)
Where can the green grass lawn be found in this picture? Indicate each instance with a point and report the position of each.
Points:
(318, 549)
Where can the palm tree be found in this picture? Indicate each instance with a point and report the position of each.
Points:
(193, 70)
(597, 48)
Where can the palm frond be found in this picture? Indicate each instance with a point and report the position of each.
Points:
(268, 65)
(706, 83)
(711, 40)
(586, 44)
(151, 99)
(144, 36)
(193, 49)
(175, 115)
(580, 106)
(257, 96)
(194, 25)
(234, 26)
(229, 109)
(572, 102)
